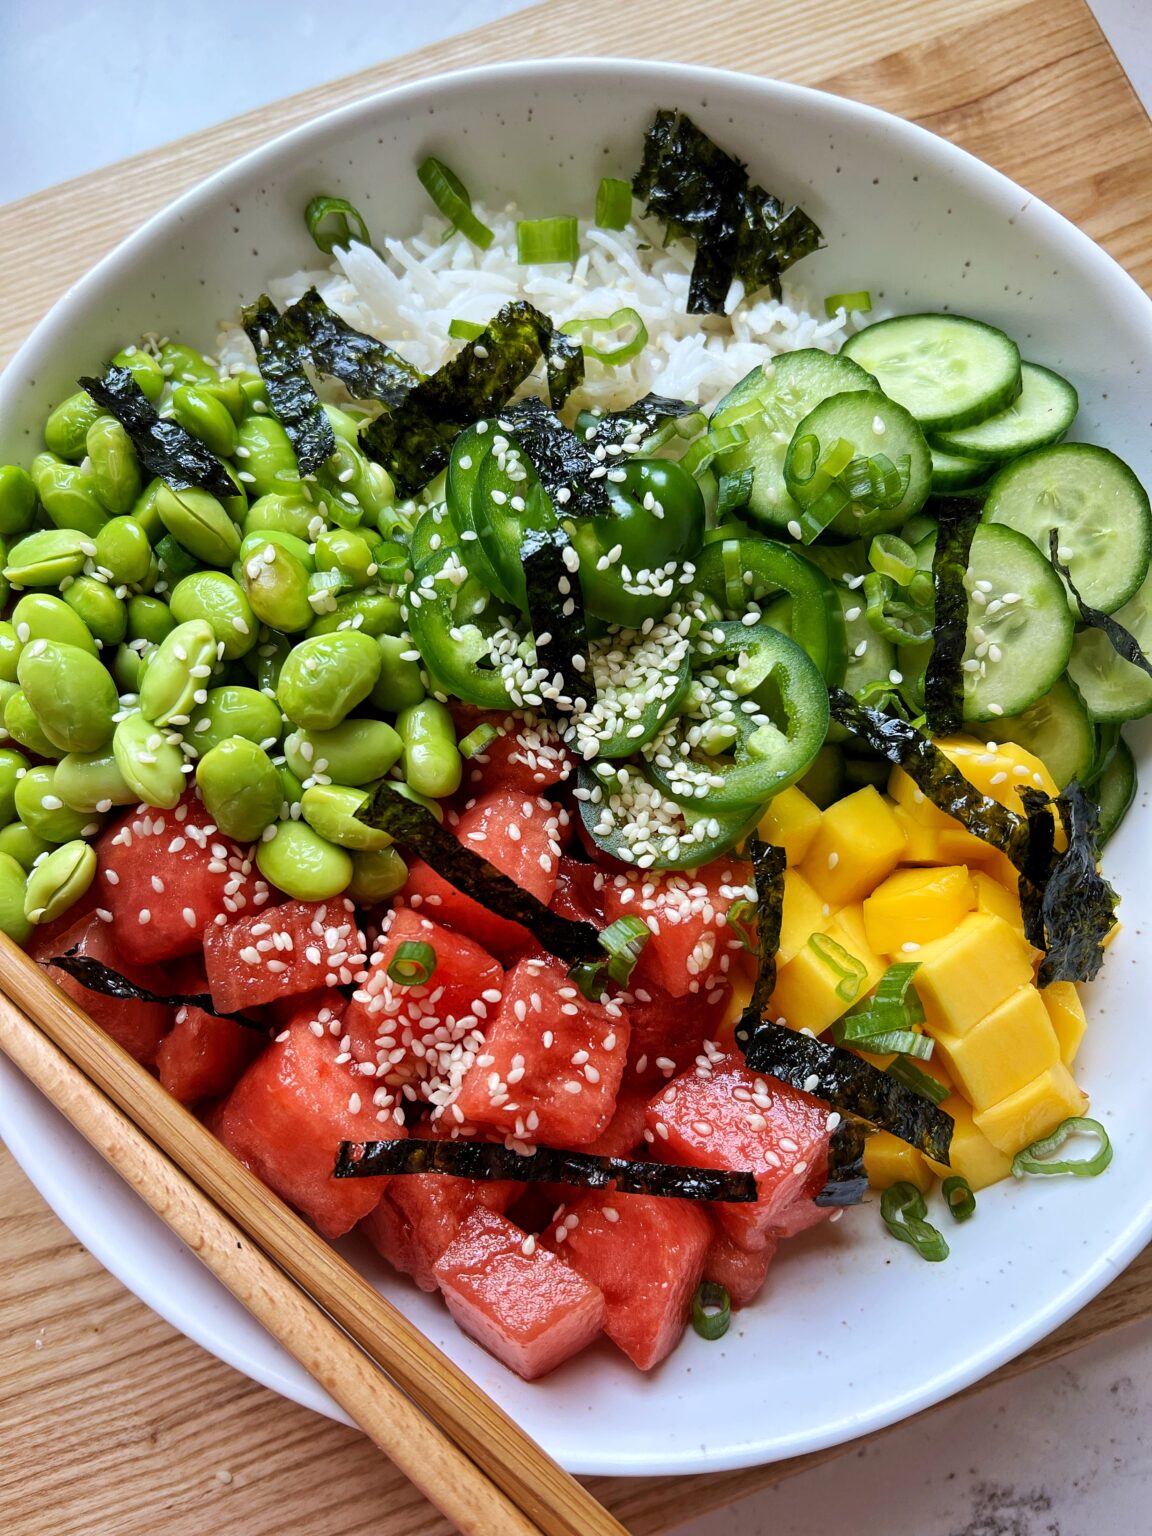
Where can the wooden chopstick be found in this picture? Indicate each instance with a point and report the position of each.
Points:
(553, 1500)
(437, 1467)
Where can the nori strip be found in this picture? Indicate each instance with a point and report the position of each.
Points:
(561, 639)
(1124, 642)
(851, 1085)
(490, 1161)
(164, 448)
(280, 355)
(768, 864)
(944, 677)
(847, 1179)
(98, 977)
(1072, 911)
(740, 230)
(415, 829)
(367, 368)
(649, 413)
(559, 458)
(943, 783)
(413, 441)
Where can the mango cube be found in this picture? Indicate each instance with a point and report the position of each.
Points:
(858, 842)
(992, 897)
(971, 1154)
(921, 842)
(970, 971)
(1033, 1111)
(1010, 1046)
(806, 993)
(888, 1161)
(790, 821)
(916, 906)
(998, 769)
(804, 913)
(1066, 1012)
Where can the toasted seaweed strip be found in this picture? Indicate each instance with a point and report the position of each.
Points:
(413, 441)
(847, 1180)
(280, 356)
(944, 677)
(565, 466)
(740, 230)
(163, 447)
(850, 1085)
(639, 420)
(416, 830)
(561, 637)
(901, 743)
(98, 977)
(1124, 643)
(546, 1165)
(1072, 912)
(367, 368)
(768, 864)
(563, 364)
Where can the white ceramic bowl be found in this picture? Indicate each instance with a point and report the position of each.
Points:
(853, 1330)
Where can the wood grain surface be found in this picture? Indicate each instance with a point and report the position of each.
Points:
(111, 1423)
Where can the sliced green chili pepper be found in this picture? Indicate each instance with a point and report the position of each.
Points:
(1036, 1159)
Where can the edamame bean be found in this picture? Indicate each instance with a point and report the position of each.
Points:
(255, 394)
(128, 666)
(374, 613)
(331, 810)
(241, 788)
(276, 584)
(174, 679)
(72, 694)
(353, 752)
(347, 553)
(270, 656)
(284, 514)
(13, 766)
(59, 882)
(48, 557)
(206, 418)
(17, 500)
(432, 764)
(267, 458)
(345, 426)
(230, 395)
(323, 589)
(144, 369)
(200, 523)
(301, 863)
(292, 793)
(21, 724)
(67, 493)
(98, 607)
(13, 880)
(255, 544)
(9, 652)
(44, 813)
(91, 781)
(325, 677)
(113, 465)
(16, 842)
(68, 423)
(123, 550)
(145, 511)
(182, 365)
(376, 491)
(376, 875)
(43, 616)
(233, 711)
(151, 765)
(149, 619)
(221, 603)
(400, 685)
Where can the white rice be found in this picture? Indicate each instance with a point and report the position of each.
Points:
(408, 295)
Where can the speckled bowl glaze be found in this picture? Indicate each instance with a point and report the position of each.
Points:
(853, 1331)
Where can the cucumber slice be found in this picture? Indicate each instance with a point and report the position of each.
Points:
(1040, 414)
(951, 473)
(1099, 507)
(1058, 730)
(766, 404)
(1112, 688)
(1115, 790)
(947, 370)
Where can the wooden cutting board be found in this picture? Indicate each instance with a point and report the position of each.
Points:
(111, 1422)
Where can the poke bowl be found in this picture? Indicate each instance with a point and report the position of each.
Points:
(648, 528)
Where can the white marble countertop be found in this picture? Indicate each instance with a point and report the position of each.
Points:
(1060, 1452)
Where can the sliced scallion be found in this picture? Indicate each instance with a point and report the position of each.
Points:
(892, 556)
(623, 941)
(860, 302)
(453, 200)
(908, 1073)
(701, 453)
(476, 741)
(851, 971)
(330, 222)
(464, 330)
(618, 321)
(1037, 1158)
(413, 964)
(711, 1311)
(958, 1197)
(733, 491)
(903, 1208)
(547, 242)
(613, 203)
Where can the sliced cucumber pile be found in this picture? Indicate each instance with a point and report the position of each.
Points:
(947, 370)
(1040, 414)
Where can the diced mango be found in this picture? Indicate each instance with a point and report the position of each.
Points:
(806, 993)
(790, 821)
(1000, 867)
(998, 769)
(921, 842)
(915, 906)
(971, 1154)
(970, 971)
(1032, 1111)
(858, 842)
(1010, 1046)
(742, 979)
(1067, 1014)
(915, 803)
(804, 913)
(888, 1160)
(992, 897)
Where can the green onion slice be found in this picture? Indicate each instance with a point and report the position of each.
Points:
(733, 491)
(741, 918)
(860, 301)
(923, 1083)
(613, 203)
(711, 1311)
(476, 741)
(453, 200)
(624, 940)
(701, 453)
(892, 556)
(850, 970)
(903, 1209)
(413, 964)
(547, 242)
(464, 330)
(1036, 1159)
(330, 222)
(958, 1195)
(617, 321)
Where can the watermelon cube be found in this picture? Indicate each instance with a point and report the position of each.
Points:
(668, 1034)
(202, 1057)
(691, 945)
(742, 1274)
(527, 754)
(297, 947)
(646, 1255)
(515, 1297)
(552, 1061)
(137, 1026)
(431, 1209)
